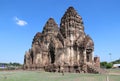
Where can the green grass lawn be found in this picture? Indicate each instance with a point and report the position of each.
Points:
(46, 76)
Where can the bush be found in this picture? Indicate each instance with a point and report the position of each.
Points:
(106, 65)
(103, 64)
(109, 65)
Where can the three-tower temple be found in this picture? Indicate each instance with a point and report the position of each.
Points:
(66, 48)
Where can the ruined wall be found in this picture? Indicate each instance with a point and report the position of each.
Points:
(97, 61)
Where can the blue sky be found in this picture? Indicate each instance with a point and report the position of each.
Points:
(20, 20)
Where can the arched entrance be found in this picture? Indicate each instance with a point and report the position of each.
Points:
(32, 57)
(52, 53)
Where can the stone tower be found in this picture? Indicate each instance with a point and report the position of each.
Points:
(71, 24)
(65, 48)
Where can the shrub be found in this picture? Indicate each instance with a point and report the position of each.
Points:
(109, 65)
(103, 64)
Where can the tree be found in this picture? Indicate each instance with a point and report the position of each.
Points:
(106, 65)
(109, 65)
(116, 61)
(103, 64)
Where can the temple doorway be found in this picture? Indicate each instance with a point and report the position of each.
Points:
(52, 53)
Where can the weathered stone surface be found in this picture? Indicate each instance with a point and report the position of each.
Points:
(67, 48)
(97, 61)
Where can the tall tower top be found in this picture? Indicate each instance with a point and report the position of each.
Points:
(71, 23)
(50, 26)
(71, 10)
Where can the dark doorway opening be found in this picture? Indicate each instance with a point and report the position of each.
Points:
(88, 57)
(32, 57)
(52, 54)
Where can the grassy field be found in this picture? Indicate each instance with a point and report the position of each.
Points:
(114, 75)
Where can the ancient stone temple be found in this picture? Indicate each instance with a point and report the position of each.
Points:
(66, 48)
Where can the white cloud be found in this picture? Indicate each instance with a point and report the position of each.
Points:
(20, 22)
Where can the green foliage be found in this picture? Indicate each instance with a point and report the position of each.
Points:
(10, 66)
(109, 65)
(103, 64)
(106, 65)
(16, 64)
(116, 61)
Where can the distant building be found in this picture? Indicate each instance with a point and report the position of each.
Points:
(116, 65)
(2, 66)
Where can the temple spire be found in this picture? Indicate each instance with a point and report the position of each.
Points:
(71, 23)
(50, 26)
(71, 10)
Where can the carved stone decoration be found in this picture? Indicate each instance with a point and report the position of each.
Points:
(66, 47)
